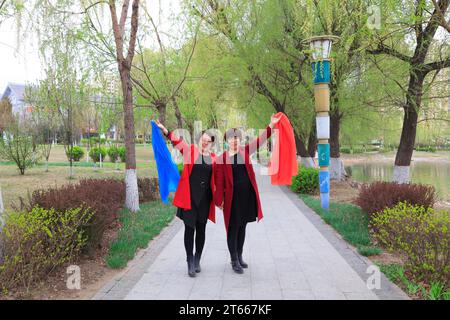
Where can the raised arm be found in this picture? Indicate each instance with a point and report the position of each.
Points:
(177, 143)
(257, 142)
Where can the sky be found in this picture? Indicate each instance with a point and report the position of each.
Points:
(24, 66)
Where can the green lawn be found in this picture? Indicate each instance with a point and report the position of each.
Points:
(137, 230)
(347, 219)
(13, 185)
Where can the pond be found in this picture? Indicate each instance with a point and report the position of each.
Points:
(426, 172)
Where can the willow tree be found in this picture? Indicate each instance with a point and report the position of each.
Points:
(264, 35)
(410, 35)
(110, 40)
(62, 92)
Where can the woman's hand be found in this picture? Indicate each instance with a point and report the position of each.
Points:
(273, 121)
(161, 126)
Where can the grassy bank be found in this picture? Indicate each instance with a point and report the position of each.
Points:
(349, 221)
(137, 230)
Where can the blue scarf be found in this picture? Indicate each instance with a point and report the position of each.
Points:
(168, 175)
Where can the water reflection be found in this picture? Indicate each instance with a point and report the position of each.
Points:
(434, 173)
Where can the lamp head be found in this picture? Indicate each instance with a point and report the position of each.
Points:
(321, 46)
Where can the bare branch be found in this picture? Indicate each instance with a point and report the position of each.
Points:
(383, 49)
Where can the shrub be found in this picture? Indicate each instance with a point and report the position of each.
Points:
(421, 235)
(18, 147)
(76, 154)
(113, 153)
(104, 197)
(180, 168)
(345, 150)
(38, 241)
(96, 152)
(148, 189)
(306, 181)
(122, 153)
(379, 195)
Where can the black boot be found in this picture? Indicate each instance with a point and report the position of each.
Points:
(237, 267)
(242, 262)
(197, 263)
(191, 267)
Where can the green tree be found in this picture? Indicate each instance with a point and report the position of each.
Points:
(409, 35)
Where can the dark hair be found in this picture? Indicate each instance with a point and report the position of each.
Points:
(233, 132)
(207, 132)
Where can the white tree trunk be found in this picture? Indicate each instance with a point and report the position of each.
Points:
(132, 192)
(401, 174)
(307, 162)
(337, 169)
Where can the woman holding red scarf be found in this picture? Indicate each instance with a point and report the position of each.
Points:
(194, 194)
(236, 190)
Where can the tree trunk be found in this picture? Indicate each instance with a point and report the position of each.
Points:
(409, 128)
(132, 192)
(306, 160)
(162, 107)
(177, 113)
(312, 140)
(336, 169)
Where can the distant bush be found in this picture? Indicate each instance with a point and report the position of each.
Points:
(103, 196)
(421, 235)
(122, 153)
(96, 152)
(148, 189)
(76, 154)
(180, 168)
(38, 241)
(18, 147)
(139, 140)
(345, 150)
(306, 181)
(425, 148)
(380, 195)
(113, 153)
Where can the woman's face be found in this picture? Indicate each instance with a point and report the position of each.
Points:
(205, 142)
(234, 143)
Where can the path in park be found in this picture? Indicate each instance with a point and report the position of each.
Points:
(292, 254)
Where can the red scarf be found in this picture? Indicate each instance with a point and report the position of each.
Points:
(283, 163)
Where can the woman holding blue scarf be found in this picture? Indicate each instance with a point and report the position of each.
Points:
(194, 194)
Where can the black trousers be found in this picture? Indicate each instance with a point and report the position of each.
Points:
(236, 239)
(199, 232)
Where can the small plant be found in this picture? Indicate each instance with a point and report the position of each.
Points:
(96, 153)
(76, 154)
(113, 153)
(180, 167)
(421, 235)
(122, 153)
(18, 148)
(436, 292)
(306, 181)
(379, 195)
(38, 241)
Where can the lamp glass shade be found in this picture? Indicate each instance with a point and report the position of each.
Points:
(321, 48)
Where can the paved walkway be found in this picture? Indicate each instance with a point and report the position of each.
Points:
(292, 254)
